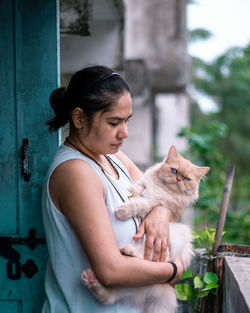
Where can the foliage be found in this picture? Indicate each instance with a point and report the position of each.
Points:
(199, 34)
(204, 150)
(220, 138)
(227, 81)
(205, 239)
(197, 286)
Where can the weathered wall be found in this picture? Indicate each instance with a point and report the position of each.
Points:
(236, 285)
(173, 114)
(97, 37)
(156, 36)
(138, 146)
(156, 32)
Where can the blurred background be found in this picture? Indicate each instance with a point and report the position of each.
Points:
(188, 65)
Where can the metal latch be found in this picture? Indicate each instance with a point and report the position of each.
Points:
(14, 268)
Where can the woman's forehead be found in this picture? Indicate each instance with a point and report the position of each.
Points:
(121, 108)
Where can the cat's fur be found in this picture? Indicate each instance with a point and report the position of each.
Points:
(158, 186)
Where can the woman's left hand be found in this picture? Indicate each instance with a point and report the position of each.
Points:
(156, 228)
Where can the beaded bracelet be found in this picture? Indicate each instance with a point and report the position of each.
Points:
(175, 271)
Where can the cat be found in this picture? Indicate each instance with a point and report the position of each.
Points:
(174, 184)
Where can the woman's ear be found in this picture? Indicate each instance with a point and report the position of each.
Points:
(78, 118)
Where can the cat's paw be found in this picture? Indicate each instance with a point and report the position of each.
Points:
(128, 250)
(122, 212)
(88, 278)
(135, 189)
(103, 294)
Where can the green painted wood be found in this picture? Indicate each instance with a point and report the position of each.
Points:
(8, 151)
(10, 306)
(28, 74)
(36, 76)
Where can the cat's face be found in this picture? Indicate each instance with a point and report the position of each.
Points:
(180, 175)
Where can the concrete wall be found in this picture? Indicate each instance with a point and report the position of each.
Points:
(172, 115)
(156, 34)
(236, 285)
(104, 43)
(102, 47)
(138, 145)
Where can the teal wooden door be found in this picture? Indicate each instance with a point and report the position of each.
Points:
(28, 74)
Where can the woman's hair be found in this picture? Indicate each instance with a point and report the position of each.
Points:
(92, 89)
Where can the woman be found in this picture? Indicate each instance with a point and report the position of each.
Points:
(86, 182)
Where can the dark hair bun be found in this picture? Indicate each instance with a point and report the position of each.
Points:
(60, 107)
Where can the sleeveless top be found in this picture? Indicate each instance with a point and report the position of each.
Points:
(65, 293)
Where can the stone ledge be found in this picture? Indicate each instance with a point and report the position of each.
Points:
(236, 285)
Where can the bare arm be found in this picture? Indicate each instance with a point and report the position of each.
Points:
(87, 213)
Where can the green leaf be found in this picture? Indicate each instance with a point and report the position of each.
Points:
(198, 282)
(184, 292)
(187, 274)
(214, 291)
(202, 294)
(210, 278)
(210, 234)
(210, 286)
(195, 235)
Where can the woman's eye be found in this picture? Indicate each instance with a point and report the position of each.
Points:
(113, 124)
(187, 178)
(173, 170)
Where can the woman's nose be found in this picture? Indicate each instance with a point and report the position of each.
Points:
(123, 132)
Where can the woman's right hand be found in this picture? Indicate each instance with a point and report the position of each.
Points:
(177, 277)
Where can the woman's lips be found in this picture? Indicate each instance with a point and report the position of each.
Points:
(117, 145)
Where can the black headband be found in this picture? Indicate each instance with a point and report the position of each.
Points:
(96, 83)
(101, 79)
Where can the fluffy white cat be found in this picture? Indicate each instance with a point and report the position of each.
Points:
(174, 184)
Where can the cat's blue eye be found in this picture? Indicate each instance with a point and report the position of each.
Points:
(173, 170)
(186, 178)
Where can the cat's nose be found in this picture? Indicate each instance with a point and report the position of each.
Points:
(178, 178)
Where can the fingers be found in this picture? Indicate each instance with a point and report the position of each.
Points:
(148, 247)
(158, 247)
(157, 250)
(140, 232)
(164, 250)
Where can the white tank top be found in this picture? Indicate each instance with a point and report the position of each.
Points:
(65, 293)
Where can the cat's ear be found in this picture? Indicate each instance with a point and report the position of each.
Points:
(202, 170)
(172, 154)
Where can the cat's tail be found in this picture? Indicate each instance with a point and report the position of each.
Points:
(165, 300)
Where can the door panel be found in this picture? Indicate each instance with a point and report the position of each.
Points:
(8, 152)
(36, 75)
(10, 306)
(28, 74)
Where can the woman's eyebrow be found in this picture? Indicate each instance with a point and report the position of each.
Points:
(119, 118)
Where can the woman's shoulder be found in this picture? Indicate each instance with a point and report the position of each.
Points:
(70, 167)
(72, 176)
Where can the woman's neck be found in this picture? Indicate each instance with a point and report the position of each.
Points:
(100, 159)
(76, 144)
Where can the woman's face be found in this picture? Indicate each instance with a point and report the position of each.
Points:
(109, 128)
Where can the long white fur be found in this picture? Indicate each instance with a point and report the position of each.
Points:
(159, 298)
(151, 190)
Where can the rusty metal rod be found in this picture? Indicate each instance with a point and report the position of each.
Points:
(223, 208)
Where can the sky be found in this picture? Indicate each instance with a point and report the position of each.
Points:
(229, 22)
